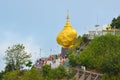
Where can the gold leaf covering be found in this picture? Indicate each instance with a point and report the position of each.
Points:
(67, 35)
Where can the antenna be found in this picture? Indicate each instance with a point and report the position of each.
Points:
(40, 52)
(97, 22)
(97, 26)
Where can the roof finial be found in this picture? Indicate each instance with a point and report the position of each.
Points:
(67, 15)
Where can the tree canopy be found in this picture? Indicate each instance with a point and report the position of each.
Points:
(16, 57)
(116, 22)
(102, 54)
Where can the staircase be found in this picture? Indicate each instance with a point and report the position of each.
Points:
(87, 75)
(82, 46)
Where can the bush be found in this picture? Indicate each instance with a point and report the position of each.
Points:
(101, 54)
(13, 75)
(46, 70)
(109, 77)
(32, 74)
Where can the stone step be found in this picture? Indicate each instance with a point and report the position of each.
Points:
(87, 75)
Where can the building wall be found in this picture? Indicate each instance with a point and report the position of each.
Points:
(93, 34)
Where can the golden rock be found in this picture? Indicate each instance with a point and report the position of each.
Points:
(67, 35)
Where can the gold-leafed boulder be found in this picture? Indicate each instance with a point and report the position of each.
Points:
(67, 35)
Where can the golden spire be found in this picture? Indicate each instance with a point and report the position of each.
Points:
(68, 20)
(67, 15)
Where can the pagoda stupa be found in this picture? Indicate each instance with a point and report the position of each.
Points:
(67, 35)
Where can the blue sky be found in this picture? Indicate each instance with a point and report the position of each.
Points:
(36, 23)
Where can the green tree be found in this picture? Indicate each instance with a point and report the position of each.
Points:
(29, 64)
(1, 74)
(58, 73)
(53, 74)
(9, 67)
(16, 57)
(84, 38)
(116, 22)
(13, 75)
(77, 43)
(102, 54)
(32, 74)
(46, 70)
(72, 59)
(46, 73)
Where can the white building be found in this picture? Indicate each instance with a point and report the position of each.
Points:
(106, 29)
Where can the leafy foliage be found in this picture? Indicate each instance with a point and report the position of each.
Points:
(16, 57)
(46, 70)
(109, 77)
(73, 56)
(53, 74)
(72, 59)
(102, 54)
(13, 75)
(29, 64)
(76, 43)
(84, 38)
(32, 74)
(1, 74)
(116, 22)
